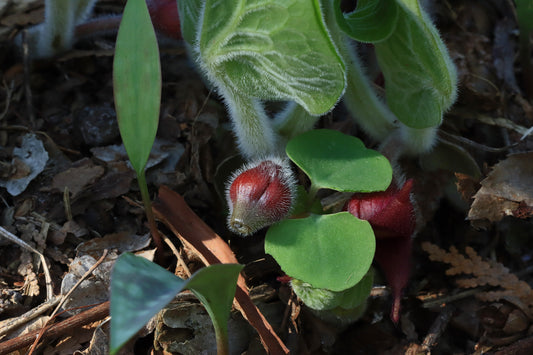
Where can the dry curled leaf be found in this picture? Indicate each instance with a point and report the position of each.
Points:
(506, 191)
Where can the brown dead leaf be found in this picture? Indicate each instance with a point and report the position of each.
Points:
(82, 174)
(172, 209)
(70, 344)
(506, 191)
(122, 242)
(466, 186)
(69, 227)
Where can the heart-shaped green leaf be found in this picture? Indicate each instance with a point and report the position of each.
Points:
(137, 82)
(331, 252)
(372, 21)
(272, 50)
(337, 161)
(420, 79)
(140, 289)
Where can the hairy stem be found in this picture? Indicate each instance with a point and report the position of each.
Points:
(255, 134)
(366, 107)
(293, 120)
(56, 34)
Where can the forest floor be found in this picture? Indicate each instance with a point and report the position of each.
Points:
(57, 118)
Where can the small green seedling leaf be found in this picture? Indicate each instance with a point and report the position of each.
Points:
(420, 79)
(372, 21)
(357, 295)
(337, 161)
(332, 252)
(140, 289)
(215, 287)
(271, 50)
(321, 299)
(137, 82)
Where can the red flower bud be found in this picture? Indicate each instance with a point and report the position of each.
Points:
(390, 212)
(165, 18)
(259, 194)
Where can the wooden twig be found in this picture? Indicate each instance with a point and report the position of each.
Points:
(68, 326)
(64, 298)
(176, 252)
(10, 236)
(438, 327)
(16, 322)
(520, 347)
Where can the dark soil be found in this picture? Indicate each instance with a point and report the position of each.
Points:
(67, 104)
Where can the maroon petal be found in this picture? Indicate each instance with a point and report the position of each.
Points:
(394, 258)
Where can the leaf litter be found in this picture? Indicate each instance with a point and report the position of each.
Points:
(83, 199)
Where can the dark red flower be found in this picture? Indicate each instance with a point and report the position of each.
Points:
(392, 217)
(390, 212)
(165, 18)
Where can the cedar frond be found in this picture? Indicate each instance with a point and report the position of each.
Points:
(484, 273)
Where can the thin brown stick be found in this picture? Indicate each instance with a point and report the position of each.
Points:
(68, 326)
(64, 298)
(438, 327)
(10, 236)
(176, 252)
(520, 347)
(10, 324)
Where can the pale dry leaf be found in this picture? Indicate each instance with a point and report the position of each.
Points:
(506, 191)
(34, 157)
(26, 269)
(92, 290)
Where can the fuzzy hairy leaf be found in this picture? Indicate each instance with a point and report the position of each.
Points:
(372, 21)
(420, 79)
(321, 299)
(189, 12)
(271, 50)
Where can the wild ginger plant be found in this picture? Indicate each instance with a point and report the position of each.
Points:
(302, 52)
(297, 51)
